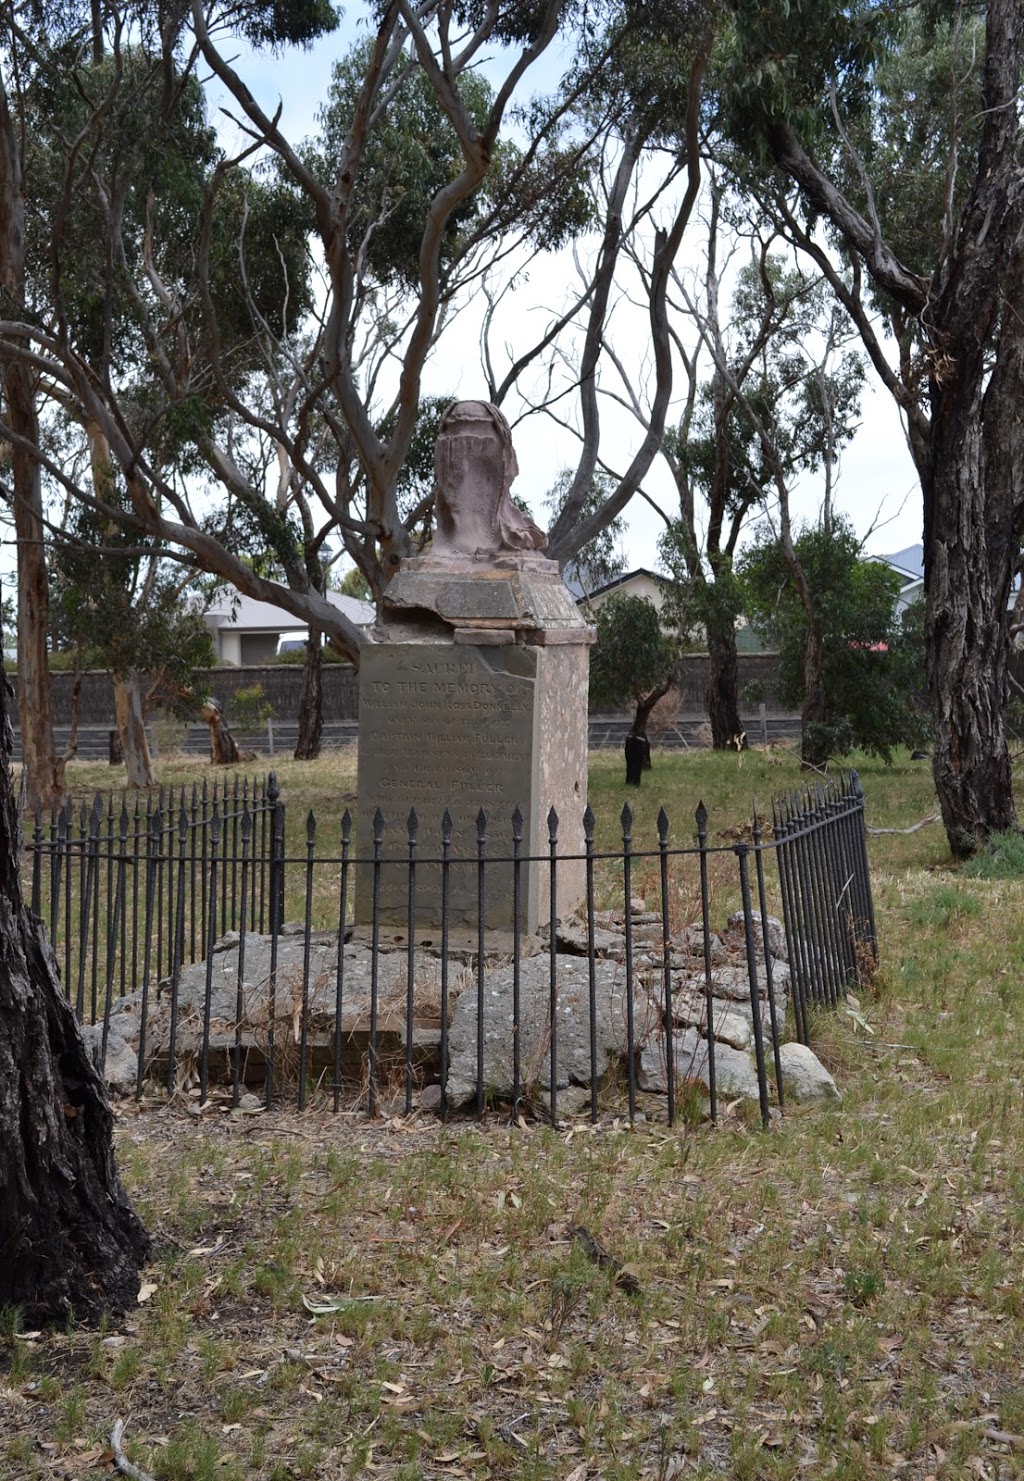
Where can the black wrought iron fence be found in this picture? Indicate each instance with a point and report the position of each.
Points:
(200, 951)
(124, 886)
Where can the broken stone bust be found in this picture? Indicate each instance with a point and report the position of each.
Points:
(474, 466)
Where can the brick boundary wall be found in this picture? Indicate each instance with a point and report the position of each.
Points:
(281, 685)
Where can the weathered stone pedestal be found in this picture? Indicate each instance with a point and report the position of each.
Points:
(474, 696)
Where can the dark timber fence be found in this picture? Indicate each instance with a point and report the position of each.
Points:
(191, 938)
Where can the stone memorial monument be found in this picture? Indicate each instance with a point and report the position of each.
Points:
(474, 696)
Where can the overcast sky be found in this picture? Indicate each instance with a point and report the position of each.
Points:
(877, 486)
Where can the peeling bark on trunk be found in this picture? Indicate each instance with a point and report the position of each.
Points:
(311, 706)
(970, 456)
(974, 484)
(43, 774)
(223, 746)
(722, 695)
(72, 1244)
(971, 539)
(812, 715)
(131, 728)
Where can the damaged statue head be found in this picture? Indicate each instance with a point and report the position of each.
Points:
(474, 465)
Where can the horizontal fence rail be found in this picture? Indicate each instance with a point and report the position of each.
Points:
(202, 947)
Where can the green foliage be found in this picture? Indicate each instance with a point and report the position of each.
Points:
(925, 110)
(780, 412)
(127, 609)
(150, 149)
(782, 57)
(873, 659)
(277, 23)
(1001, 858)
(296, 657)
(249, 708)
(412, 153)
(603, 557)
(631, 656)
(354, 584)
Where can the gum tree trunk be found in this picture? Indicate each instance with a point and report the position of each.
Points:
(971, 535)
(970, 451)
(131, 727)
(223, 746)
(72, 1244)
(723, 687)
(44, 774)
(311, 706)
(974, 480)
(812, 752)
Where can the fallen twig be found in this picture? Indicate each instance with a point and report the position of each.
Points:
(596, 1251)
(914, 828)
(996, 1437)
(121, 1461)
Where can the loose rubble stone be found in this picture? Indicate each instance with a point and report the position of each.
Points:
(735, 1072)
(804, 1077)
(691, 943)
(776, 932)
(572, 1034)
(572, 937)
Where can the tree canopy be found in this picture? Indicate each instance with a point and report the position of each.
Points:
(912, 165)
(873, 658)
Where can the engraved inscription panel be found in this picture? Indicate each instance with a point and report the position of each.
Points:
(441, 726)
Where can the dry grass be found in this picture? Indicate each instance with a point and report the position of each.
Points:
(841, 1296)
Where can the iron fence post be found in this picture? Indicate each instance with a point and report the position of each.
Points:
(666, 961)
(627, 887)
(481, 893)
(769, 970)
(742, 851)
(589, 822)
(701, 818)
(410, 957)
(346, 843)
(553, 959)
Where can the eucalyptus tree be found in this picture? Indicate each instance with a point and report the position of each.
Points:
(779, 404)
(644, 117)
(872, 652)
(898, 129)
(633, 661)
(287, 420)
(136, 615)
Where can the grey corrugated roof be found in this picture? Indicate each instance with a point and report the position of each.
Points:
(909, 562)
(231, 609)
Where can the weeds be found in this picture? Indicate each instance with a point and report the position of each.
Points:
(1001, 858)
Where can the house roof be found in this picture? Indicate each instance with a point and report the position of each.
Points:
(232, 610)
(623, 579)
(909, 563)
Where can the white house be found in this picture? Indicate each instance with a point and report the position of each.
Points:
(909, 566)
(649, 585)
(247, 632)
(639, 583)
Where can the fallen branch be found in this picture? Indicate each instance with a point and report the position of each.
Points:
(994, 1436)
(594, 1250)
(121, 1461)
(932, 817)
